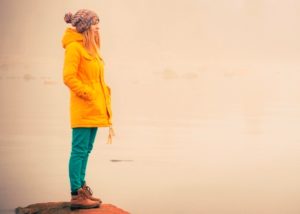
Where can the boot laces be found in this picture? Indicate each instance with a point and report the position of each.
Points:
(88, 190)
(82, 194)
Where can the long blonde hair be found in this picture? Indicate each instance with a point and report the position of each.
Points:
(91, 42)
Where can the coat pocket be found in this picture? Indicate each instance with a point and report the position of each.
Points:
(96, 107)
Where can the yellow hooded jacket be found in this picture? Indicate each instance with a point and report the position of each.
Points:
(83, 74)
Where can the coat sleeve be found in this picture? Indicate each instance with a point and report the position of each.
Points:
(70, 69)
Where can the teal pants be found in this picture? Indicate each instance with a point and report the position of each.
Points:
(82, 145)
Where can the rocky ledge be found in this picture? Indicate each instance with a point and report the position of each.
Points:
(64, 208)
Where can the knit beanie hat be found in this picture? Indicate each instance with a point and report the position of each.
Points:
(82, 19)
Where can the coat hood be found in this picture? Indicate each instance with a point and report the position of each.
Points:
(71, 35)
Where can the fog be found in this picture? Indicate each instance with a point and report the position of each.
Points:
(205, 99)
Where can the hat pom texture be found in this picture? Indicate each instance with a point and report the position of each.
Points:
(68, 17)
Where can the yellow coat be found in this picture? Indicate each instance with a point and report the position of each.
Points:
(83, 74)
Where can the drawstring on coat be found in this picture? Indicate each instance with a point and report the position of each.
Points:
(110, 135)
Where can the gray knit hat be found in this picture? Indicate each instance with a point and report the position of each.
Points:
(82, 19)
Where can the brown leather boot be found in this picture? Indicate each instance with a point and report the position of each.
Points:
(89, 193)
(81, 201)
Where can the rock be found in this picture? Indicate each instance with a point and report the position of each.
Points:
(64, 208)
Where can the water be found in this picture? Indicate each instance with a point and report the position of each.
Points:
(216, 142)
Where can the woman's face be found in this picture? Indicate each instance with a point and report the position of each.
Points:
(95, 28)
(95, 25)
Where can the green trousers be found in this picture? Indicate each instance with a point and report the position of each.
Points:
(82, 145)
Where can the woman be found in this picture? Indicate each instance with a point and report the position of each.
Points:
(90, 98)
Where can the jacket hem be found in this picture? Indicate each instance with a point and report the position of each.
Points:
(90, 126)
